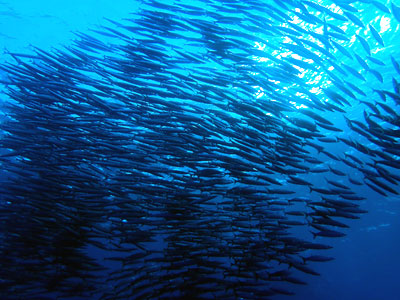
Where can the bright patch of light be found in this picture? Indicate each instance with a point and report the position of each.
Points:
(302, 74)
(376, 50)
(315, 80)
(320, 30)
(385, 24)
(287, 40)
(297, 106)
(308, 60)
(260, 46)
(283, 54)
(298, 94)
(296, 56)
(260, 92)
(315, 90)
(274, 81)
(335, 8)
(296, 20)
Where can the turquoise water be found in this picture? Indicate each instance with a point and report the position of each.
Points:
(48, 24)
(366, 260)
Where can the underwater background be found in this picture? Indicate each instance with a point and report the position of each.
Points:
(300, 67)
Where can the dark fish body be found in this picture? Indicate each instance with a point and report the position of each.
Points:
(376, 35)
(319, 258)
(396, 11)
(364, 44)
(328, 233)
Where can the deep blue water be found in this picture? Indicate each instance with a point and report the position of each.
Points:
(367, 259)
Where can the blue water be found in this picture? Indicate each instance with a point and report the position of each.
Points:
(367, 260)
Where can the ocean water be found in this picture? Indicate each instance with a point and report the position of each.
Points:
(366, 260)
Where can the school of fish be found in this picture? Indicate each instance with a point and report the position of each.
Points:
(203, 149)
